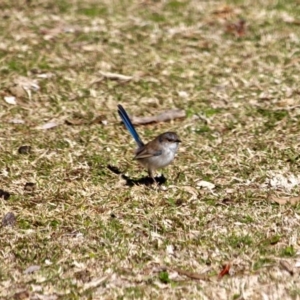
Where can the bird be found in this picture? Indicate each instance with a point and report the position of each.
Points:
(156, 154)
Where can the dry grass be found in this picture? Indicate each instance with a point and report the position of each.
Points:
(91, 234)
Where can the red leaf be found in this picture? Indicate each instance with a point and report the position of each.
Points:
(224, 271)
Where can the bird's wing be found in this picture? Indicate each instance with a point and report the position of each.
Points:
(145, 152)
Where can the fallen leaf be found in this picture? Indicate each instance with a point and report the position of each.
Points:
(297, 264)
(287, 266)
(47, 297)
(283, 181)
(286, 102)
(21, 295)
(115, 76)
(287, 18)
(16, 121)
(45, 75)
(32, 269)
(188, 274)
(50, 33)
(224, 10)
(238, 29)
(101, 119)
(76, 122)
(224, 271)
(47, 125)
(162, 117)
(9, 219)
(205, 184)
(23, 86)
(92, 48)
(84, 276)
(17, 91)
(285, 200)
(48, 262)
(10, 100)
(170, 249)
(183, 94)
(27, 83)
(94, 283)
(191, 190)
(227, 201)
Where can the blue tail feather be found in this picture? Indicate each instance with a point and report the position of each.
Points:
(126, 120)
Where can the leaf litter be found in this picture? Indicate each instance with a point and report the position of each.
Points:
(195, 56)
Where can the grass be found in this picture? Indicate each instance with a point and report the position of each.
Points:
(92, 232)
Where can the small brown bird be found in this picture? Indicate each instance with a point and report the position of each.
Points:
(158, 153)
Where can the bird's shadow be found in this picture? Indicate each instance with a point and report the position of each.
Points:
(147, 181)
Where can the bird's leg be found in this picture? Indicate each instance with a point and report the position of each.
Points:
(151, 175)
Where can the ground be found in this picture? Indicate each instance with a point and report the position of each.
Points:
(77, 222)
